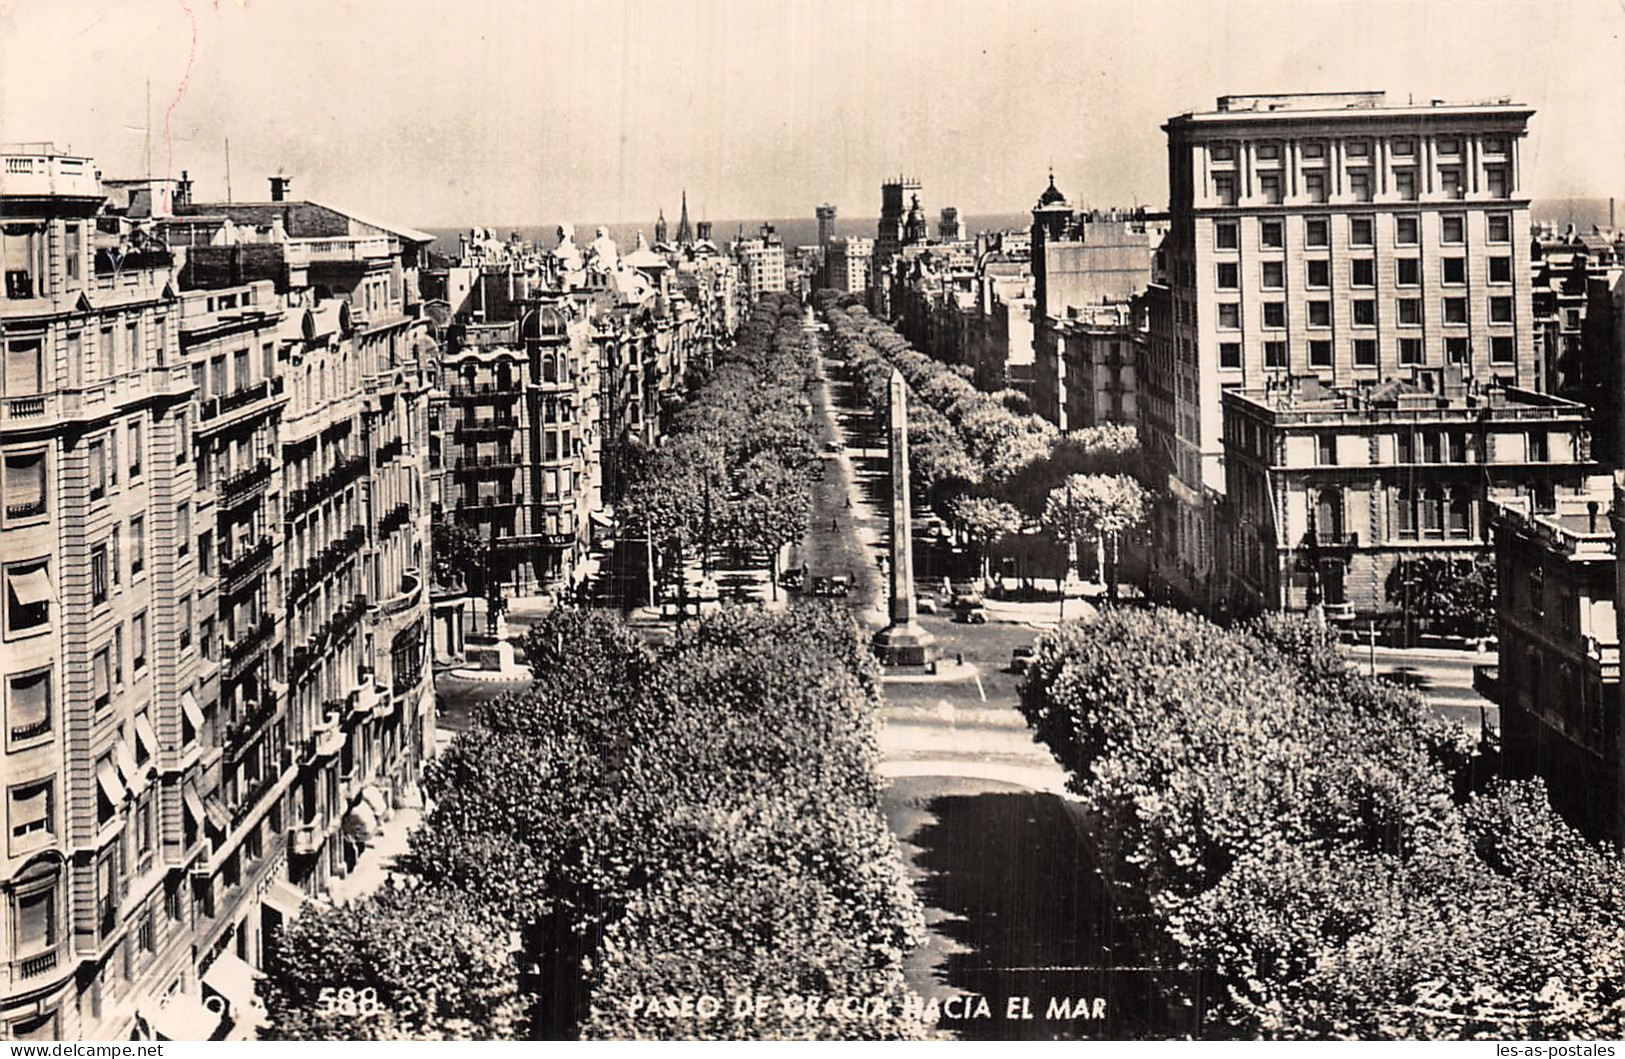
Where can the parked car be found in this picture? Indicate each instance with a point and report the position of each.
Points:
(1020, 659)
(965, 600)
(976, 615)
(832, 447)
(791, 579)
(837, 585)
(926, 604)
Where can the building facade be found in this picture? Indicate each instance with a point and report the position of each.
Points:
(1330, 488)
(1328, 236)
(1557, 684)
(199, 731)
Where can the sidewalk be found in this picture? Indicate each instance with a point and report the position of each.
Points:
(376, 864)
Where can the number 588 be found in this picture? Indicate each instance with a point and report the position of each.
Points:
(347, 1000)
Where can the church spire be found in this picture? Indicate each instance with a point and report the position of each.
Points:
(660, 229)
(685, 232)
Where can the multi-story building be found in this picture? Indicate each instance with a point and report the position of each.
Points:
(567, 358)
(826, 225)
(890, 234)
(1327, 236)
(950, 228)
(1330, 488)
(1089, 272)
(847, 263)
(1579, 323)
(1086, 365)
(761, 264)
(176, 779)
(1557, 682)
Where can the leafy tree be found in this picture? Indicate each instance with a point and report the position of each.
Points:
(987, 521)
(457, 553)
(1108, 506)
(440, 965)
(1296, 833)
(1452, 596)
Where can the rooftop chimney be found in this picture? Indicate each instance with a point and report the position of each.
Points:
(183, 190)
(279, 188)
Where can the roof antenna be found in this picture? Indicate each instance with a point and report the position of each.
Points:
(228, 168)
(146, 148)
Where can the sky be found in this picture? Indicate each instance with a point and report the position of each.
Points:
(439, 113)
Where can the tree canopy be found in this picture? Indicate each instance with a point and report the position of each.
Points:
(1306, 838)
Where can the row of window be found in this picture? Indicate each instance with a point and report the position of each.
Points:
(1359, 184)
(1432, 446)
(1362, 272)
(1444, 146)
(1412, 350)
(1362, 231)
(27, 365)
(1363, 312)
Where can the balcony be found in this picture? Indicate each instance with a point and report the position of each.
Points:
(486, 428)
(244, 484)
(27, 509)
(365, 699)
(32, 730)
(398, 516)
(325, 485)
(306, 840)
(240, 733)
(338, 250)
(34, 966)
(237, 573)
(411, 592)
(328, 560)
(23, 408)
(502, 461)
(250, 799)
(253, 640)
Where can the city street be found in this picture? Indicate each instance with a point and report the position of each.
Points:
(1016, 908)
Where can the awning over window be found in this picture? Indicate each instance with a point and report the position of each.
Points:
(146, 736)
(285, 900)
(112, 786)
(183, 1018)
(32, 588)
(194, 715)
(233, 979)
(219, 818)
(375, 800)
(194, 804)
(134, 777)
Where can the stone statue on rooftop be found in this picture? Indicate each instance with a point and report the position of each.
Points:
(603, 255)
(566, 253)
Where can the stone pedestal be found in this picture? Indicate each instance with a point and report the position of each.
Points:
(905, 645)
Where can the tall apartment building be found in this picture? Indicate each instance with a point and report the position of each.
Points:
(176, 778)
(1326, 236)
(847, 263)
(558, 363)
(761, 264)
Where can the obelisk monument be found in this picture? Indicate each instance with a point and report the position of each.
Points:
(902, 642)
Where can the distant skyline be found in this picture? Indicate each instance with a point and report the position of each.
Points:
(449, 114)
